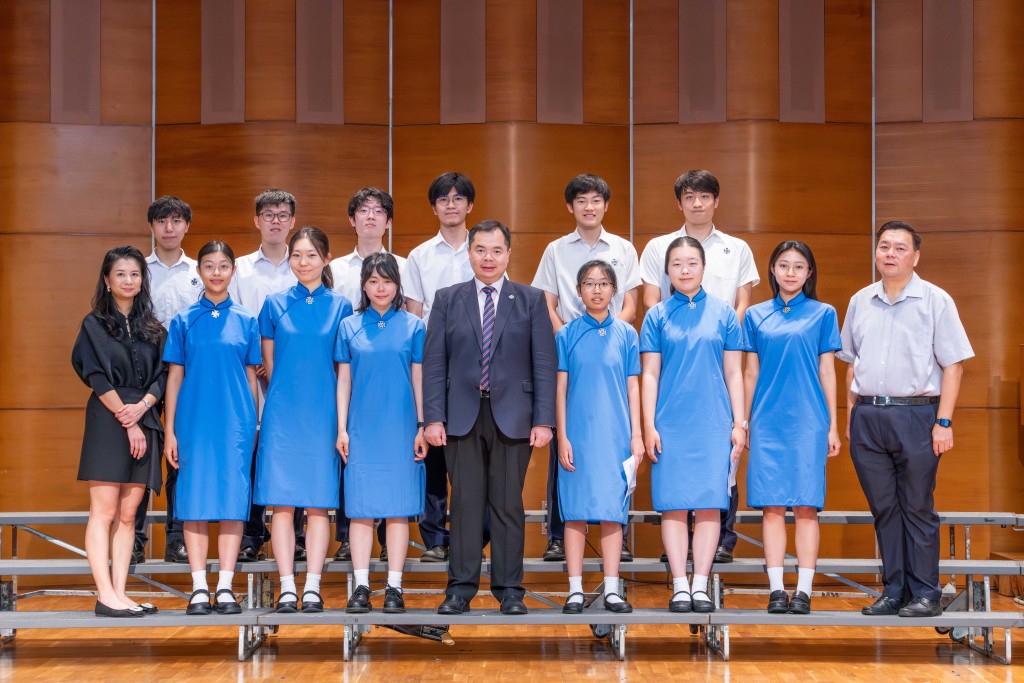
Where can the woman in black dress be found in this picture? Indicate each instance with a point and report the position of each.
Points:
(118, 355)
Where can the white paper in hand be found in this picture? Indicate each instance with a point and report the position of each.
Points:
(734, 466)
(629, 467)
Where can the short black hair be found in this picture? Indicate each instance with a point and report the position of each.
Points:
(584, 183)
(273, 197)
(359, 198)
(697, 180)
(385, 265)
(491, 226)
(169, 206)
(900, 225)
(444, 183)
(605, 268)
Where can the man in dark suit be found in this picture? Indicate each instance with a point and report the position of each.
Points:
(489, 398)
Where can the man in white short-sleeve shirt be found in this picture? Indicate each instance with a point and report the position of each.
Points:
(587, 197)
(370, 211)
(729, 274)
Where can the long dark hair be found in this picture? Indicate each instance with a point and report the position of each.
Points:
(141, 319)
(318, 239)
(810, 288)
(385, 265)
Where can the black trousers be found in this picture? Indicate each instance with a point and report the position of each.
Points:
(891, 447)
(487, 471)
(173, 528)
(433, 522)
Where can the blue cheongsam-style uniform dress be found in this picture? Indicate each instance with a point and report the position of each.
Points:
(382, 479)
(789, 415)
(215, 420)
(693, 414)
(599, 359)
(297, 461)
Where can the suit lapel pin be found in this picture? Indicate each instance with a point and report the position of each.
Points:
(511, 296)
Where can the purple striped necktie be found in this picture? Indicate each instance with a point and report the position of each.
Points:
(487, 340)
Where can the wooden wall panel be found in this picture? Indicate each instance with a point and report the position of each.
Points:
(948, 61)
(178, 55)
(802, 61)
(998, 69)
(848, 61)
(417, 59)
(656, 61)
(75, 29)
(73, 179)
(898, 70)
(702, 61)
(126, 62)
(322, 165)
(560, 61)
(25, 61)
(921, 172)
(223, 61)
(366, 61)
(762, 167)
(511, 55)
(606, 61)
(35, 355)
(753, 59)
(319, 62)
(463, 62)
(270, 60)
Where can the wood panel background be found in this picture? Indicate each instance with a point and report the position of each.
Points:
(75, 190)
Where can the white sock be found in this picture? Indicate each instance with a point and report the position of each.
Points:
(312, 584)
(361, 577)
(395, 579)
(680, 585)
(775, 582)
(700, 584)
(224, 579)
(576, 586)
(805, 578)
(199, 583)
(288, 586)
(611, 589)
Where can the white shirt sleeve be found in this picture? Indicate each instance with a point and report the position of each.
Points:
(546, 278)
(412, 278)
(650, 267)
(632, 277)
(747, 269)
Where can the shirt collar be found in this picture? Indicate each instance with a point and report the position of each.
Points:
(439, 241)
(575, 236)
(679, 296)
(153, 259)
(260, 256)
(914, 288)
(795, 301)
(206, 303)
(715, 235)
(354, 256)
(592, 321)
(497, 286)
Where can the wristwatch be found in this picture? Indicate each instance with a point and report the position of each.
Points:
(944, 422)
(146, 401)
(421, 425)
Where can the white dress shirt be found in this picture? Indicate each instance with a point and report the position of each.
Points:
(431, 266)
(347, 272)
(257, 277)
(174, 287)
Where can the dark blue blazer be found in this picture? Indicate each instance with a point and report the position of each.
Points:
(523, 364)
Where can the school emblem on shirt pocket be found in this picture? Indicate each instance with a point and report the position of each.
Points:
(195, 282)
(725, 251)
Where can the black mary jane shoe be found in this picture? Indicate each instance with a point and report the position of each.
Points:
(574, 606)
(700, 605)
(680, 605)
(226, 606)
(102, 610)
(314, 605)
(199, 608)
(778, 602)
(620, 606)
(800, 603)
(287, 606)
(359, 602)
(394, 603)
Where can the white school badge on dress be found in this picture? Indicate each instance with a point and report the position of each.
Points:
(215, 314)
(309, 300)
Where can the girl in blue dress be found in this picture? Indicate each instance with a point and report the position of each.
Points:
(791, 342)
(213, 348)
(692, 398)
(380, 425)
(598, 414)
(297, 463)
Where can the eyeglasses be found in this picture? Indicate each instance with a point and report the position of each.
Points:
(597, 285)
(281, 216)
(456, 200)
(371, 211)
(796, 268)
(210, 268)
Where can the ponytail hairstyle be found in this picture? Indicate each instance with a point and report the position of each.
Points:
(318, 239)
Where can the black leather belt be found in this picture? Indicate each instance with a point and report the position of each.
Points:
(485, 393)
(898, 400)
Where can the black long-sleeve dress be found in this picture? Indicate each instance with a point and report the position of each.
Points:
(132, 368)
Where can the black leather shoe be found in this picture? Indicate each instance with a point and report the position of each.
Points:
(513, 605)
(359, 602)
(394, 603)
(555, 552)
(203, 607)
(300, 552)
(800, 603)
(778, 602)
(921, 607)
(383, 553)
(102, 610)
(883, 606)
(627, 554)
(619, 606)
(680, 603)
(344, 553)
(249, 555)
(453, 604)
(574, 606)
(437, 553)
(138, 555)
(176, 552)
(702, 605)
(663, 558)
(314, 605)
(287, 606)
(229, 606)
(723, 555)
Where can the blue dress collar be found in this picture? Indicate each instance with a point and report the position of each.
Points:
(371, 316)
(795, 301)
(302, 290)
(682, 298)
(592, 321)
(206, 303)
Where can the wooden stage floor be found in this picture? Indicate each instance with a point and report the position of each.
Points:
(514, 653)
